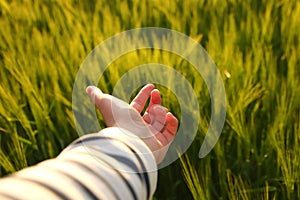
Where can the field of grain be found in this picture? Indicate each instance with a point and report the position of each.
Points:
(254, 43)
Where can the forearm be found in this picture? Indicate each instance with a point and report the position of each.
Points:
(105, 165)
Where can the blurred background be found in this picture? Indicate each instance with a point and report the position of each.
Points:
(254, 43)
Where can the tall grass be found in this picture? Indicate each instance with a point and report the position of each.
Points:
(254, 43)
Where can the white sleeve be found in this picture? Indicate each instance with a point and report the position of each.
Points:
(111, 164)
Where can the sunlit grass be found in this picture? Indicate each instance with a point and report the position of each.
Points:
(255, 45)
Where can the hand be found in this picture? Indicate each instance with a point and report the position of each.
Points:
(157, 127)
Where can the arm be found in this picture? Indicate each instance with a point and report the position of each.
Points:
(111, 164)
(104, 165)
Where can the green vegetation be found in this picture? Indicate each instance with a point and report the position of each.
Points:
(254, 43)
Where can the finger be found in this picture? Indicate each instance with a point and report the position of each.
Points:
(169, 133)
(141, 98)
(171, 127)
(172, 124)
(103, 103)
(151, 118)
(147, 118)
(92, 90)
(154, 99)
(163, 141)
(158, 116)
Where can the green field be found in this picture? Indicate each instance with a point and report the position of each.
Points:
(254, 43)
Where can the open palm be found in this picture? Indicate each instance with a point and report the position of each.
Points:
(157, 127)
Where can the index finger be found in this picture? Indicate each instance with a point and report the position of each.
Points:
(141, 98)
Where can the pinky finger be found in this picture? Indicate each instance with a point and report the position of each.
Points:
(172, 123)
(170, 129)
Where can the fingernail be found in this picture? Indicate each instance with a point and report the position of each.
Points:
(89, 89)
(155, 90)
(150, 84)
(93, 90)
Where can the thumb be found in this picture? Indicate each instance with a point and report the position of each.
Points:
(103, 102)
